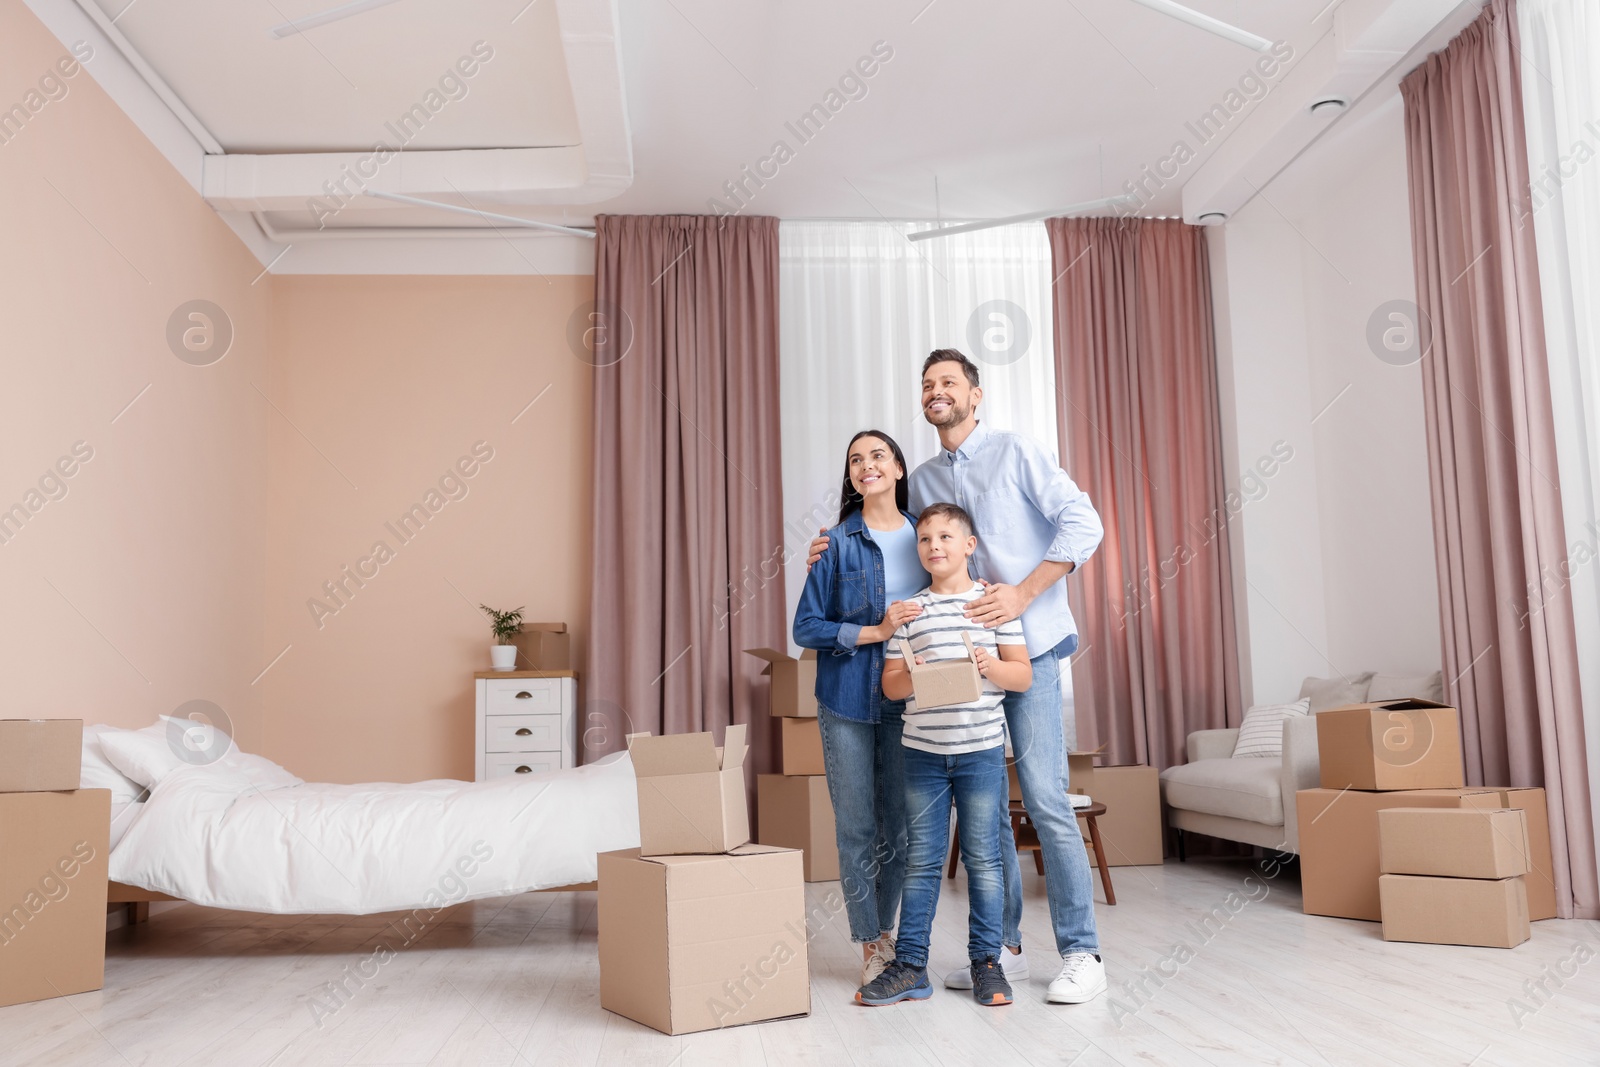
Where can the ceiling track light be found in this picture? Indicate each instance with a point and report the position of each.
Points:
(1207, 23)
(333, 14)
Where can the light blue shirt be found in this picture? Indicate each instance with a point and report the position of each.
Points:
(903, 576)
(1026, 510)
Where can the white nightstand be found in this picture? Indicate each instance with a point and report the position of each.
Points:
(527, 722)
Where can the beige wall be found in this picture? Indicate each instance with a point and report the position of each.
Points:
(180, 560)
(392, 380)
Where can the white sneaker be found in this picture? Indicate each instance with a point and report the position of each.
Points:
(1082, 978)
(882, 956)
(1014, 964)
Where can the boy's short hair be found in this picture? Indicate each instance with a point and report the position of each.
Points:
(954, 512)
(952, 355)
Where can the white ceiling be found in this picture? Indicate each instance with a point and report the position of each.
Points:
(653, 106)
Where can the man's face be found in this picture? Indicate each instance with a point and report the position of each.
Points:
(947, 397)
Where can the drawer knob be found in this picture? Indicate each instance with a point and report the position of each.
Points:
(524, 695)
(524, 732)
(524, 769)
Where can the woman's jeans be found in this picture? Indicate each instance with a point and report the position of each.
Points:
(867, 786)
(976, 781)
(1034, 719)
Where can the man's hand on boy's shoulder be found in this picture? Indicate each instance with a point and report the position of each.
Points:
(819, 545)
(998, 605)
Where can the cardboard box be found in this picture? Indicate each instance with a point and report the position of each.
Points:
(1492, 913)
(691, 943)
(1131, 828)
(691, 793)
(53, 850)
(544, 646)
(40, 755)
(946, 682)
(1390, 744)
(1453, 843)
(802, 747)
(1541, 878)
(1080, 773)
(796, 812)
(794, 682)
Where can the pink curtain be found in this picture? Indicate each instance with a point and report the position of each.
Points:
(1510, 664)
(688, 497)
(1139, 424)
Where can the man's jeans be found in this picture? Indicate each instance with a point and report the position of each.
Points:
(867, 786)
(976, 781)
(1037, 741)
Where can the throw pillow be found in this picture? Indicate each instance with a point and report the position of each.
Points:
(1325, 693)
(1261, 733)
(98, 771)
(1394, 686)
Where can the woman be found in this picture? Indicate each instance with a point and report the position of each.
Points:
(852, 603)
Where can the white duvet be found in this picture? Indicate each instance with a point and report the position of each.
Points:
(227, 838)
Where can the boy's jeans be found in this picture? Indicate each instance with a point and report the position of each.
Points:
(977, 783)
(1034, 719)
(867, 787)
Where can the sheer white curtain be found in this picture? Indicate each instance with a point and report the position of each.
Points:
(860, 308)
(1561, 105)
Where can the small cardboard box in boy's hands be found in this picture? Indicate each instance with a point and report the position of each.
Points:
(691, 793)
(944, 683)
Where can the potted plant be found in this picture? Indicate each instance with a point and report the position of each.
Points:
(506, 625)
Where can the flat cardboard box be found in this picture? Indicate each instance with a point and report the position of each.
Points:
(1339, 843)
(1453, 843)
(1405, 743)
(40, 755)
(1541, 878)
(802, 747)
(1491, 913)
(944, 683)
(53, 850)
(544, 646)
(794, 682)
(796, 812)
(691, 793)
(690, 943)
(1131, 828)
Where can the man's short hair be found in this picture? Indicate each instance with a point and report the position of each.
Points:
(951, 355)
(954, 512)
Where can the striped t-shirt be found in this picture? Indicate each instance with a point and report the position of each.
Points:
(935, 635)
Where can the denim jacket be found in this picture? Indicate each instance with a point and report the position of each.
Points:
(845, 592)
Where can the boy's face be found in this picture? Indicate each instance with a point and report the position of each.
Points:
(944, 545)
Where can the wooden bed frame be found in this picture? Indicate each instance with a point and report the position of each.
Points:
(136, 901)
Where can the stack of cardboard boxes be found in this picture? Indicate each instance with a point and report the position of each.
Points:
(54, 839)
(1454, 876)
(698, 928)
(793, 808)
(1401, 754)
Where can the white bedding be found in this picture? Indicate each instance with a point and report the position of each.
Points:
(216, 836)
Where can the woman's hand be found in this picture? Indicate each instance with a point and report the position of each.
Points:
(898, 614)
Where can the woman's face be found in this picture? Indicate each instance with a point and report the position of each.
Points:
(872, 467)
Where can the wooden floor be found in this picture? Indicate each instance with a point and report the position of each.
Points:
(514, 981)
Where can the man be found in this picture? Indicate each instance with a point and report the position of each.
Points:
(1034, 527)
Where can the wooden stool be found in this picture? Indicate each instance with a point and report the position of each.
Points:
(1028, 841)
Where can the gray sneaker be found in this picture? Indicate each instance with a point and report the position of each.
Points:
(989, 985)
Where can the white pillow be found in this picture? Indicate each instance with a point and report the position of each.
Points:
(149, 755)
(1394, 686)
(1261, 733)
(98, 772)
(1325, 693)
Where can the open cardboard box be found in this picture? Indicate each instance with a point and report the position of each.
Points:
(1406, 743)
(691, 793)
(794, 682)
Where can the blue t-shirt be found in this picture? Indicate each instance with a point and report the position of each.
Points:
(903, 576)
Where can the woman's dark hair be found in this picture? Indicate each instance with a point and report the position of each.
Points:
(851, 500)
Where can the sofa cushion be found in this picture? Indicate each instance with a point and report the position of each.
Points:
(1246, 789)
(1423, 687)
(1261, 732)
(1325, 693)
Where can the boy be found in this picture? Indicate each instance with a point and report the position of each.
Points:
(952, 752)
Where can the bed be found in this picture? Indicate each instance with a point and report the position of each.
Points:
(242, 833)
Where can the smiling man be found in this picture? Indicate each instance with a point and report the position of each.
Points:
(1034, 527)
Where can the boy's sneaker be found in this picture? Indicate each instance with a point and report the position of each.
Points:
(1082, 978)
(875, 964)
(989, 985)
(899, 981)
(1014, 964)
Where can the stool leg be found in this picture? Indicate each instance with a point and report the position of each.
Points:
(955, 852)
(1100, 859)
(1038, 860)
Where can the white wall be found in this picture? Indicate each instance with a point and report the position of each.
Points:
(1336, 544)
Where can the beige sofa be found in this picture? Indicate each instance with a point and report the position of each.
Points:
(1253, 800)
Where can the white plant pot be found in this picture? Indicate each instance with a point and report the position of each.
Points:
(504, 657)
